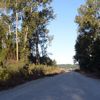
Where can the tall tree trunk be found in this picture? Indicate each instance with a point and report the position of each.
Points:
(37, 49)
(26, 33)
(25, 43)
(9, 29)
(17, 56)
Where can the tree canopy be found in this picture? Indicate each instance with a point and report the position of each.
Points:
(23, 29)
(87, 44)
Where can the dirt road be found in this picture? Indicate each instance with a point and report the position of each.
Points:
(68, 86)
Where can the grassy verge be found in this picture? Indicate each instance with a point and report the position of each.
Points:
(15, 74)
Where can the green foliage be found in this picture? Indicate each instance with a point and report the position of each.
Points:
(4, 75)
(23, 31)
(43, 60)
(15, 74)
(28, 32)
(87, 44)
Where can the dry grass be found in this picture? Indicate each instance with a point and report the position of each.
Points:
(17, 73)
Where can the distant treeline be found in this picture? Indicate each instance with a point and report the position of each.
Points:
(73, 66)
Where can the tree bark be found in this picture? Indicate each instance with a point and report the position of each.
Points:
(37, 50)
(17, 56)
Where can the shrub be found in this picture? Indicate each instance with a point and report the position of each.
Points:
(4, 75)
(14, 75)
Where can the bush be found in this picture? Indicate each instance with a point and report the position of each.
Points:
(43, 60)
(14, 75)
(4, 75)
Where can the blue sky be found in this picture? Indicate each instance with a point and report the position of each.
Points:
(64, 30)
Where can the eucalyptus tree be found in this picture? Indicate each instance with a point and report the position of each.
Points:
(45, 16)
(88, 21)
(3, 40)
(4, 31)
(26, 21)
(35, 20)
(14, 7)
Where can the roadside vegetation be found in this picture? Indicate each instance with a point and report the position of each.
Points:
(18, 73)
(69, 67)
(87, 45)
(24, 39)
